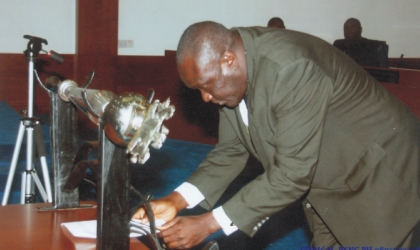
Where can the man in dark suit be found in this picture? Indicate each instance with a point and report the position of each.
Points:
(325, 131)
(364, 51)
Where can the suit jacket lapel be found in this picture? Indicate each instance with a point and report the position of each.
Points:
(256, 141)
(249, 134)
(241, 129)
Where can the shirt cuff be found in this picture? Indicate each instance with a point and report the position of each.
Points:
(191, 194)
(224, 221)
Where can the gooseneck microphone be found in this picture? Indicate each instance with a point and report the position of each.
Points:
(35, 46)
(55, 56)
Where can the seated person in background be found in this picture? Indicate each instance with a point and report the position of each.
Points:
(364, 51)
(276, 22)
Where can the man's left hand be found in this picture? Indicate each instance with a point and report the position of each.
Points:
(187, 231)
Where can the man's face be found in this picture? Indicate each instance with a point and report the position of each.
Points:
(219, 83)
(352, 30)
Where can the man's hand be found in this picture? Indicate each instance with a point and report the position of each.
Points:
(186, 232)
(163, 209)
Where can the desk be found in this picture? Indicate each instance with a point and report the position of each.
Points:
(24, 227)
(403, 83)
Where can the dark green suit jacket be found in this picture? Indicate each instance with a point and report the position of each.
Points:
(323, 129)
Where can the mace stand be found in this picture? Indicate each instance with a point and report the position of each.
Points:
(63, 150)
(113, 195)
(128, 125)
(113, 180)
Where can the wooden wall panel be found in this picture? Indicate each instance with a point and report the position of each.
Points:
(14, 83)
(408, 89)
(97, 42)
(97, 50)
(194, 120)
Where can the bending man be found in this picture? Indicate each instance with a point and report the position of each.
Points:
(325, 131)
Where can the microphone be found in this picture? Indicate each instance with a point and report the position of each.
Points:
(55, 56)
(35, 46)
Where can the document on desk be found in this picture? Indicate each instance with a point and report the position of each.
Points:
(87, 229)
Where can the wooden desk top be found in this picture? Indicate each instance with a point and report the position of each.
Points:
(24, 227)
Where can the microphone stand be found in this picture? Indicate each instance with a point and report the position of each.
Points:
(34, 138)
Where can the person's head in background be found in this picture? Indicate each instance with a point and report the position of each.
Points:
(352, 29)
(276, 22)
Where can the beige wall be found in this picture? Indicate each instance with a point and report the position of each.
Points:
(155, 25)
(52, 20)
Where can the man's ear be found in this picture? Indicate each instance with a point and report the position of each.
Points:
(228, 58)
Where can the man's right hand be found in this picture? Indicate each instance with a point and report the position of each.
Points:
(163, 209)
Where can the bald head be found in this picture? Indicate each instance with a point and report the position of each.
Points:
(204, 41)
(212, 59)
(276, 22)
(352, 29)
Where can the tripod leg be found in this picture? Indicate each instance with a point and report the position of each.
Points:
(39, 185)
(46, 177)
(29, 190)
(42, 153)
(22, 186)
(13, 164)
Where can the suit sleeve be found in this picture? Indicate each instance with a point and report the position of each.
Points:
(298, 100)
(221, 165)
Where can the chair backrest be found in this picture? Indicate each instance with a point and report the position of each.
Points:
(382, 54)
(365, 52)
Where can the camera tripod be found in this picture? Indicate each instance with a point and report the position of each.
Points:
(34, 137)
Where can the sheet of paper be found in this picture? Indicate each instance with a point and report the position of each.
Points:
(87, 229)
